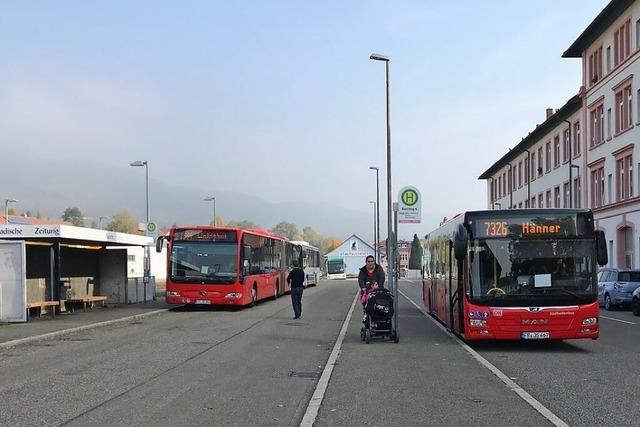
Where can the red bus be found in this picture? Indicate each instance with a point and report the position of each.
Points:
(226, 266)
(516, 274)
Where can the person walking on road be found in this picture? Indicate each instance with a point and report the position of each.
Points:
(371, 272)
(296, 279)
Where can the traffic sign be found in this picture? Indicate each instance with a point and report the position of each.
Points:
(409, 206)
(151, 229)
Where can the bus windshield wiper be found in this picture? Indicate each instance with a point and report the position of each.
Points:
(573, 294)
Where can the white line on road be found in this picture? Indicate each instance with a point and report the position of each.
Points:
(497, 372)
(617, 320)
(316, 400)
(55, 334)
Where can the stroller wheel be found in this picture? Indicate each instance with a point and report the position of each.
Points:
(396, 338)
(367, 336)
(362, 334)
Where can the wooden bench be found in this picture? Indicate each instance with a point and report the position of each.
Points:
(41, 305)
(86, 300)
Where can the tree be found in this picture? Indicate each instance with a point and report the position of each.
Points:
(123, 222)
(12, 211)
(311, 236)
(415, 261)
(239, 224)
(331, 243)
(288, 230)
(74, 216)
(217, 221)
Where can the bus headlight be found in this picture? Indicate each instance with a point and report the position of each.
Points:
(173, 294)
(477, 322)
(590, 321)
(234, 295)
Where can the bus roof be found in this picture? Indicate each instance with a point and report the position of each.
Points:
(258, 231)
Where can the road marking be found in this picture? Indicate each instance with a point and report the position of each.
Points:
(618, 320)
(56, 334)
(316, 400)
(555, 420)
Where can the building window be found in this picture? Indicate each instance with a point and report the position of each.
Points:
(576, 139)
(556, 197)
(608, 58)
(519, 174)
(609, 123)
(595, 66)
(638, 105)
(609, 193)
(526, 203)
(526, 171)
(565, 145)
(624, 178)
(540, 201)
(540, 161)
(638, 34)
(566, 203)
(626, 235)
(556, 151)
(623, 109)
(596, 119)
(622, 43)
(597, 187)
(510, 179)
(548, 197)
(547, 158)
(576, 192)
(534, 170)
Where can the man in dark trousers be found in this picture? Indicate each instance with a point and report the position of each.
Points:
(296, 279)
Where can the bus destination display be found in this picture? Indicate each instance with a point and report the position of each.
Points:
(525, 227)
(206, 235)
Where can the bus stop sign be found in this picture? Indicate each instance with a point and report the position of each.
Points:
(409, 206)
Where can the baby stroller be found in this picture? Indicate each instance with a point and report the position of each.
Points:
(378, 316)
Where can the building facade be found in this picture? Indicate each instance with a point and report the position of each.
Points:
(583, 155)
(354, 251)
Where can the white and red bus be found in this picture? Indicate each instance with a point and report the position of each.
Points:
(226, 266)
(310, 262)
(516, 274)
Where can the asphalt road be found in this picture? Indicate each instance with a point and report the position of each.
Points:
(258, 366)
(584, 382)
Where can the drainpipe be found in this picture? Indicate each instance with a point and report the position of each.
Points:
(570, 167)
(528, 168)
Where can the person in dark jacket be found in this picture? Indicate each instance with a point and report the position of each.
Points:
(296, 279)
(371, 272)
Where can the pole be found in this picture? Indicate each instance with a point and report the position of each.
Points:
(389, 231)
(214, 211)
(377, 215)
(375, 251)
(6, 212)
(147, 264)
(394, 289)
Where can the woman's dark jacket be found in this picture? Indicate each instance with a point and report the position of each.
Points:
(363, 276)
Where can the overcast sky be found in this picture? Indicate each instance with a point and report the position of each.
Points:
(279, 99)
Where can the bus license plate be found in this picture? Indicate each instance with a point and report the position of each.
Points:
(203, 301)
(535, 335)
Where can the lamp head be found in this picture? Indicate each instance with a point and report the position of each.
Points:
(373, 168)
(10, 200)
(138, 163)
(209, 199)
(378, 57)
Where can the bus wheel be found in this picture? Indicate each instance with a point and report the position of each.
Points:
(254, 295)
(275, 291)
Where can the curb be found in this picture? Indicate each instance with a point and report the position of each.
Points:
(56, 334)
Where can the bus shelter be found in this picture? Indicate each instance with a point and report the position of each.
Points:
(66, 263)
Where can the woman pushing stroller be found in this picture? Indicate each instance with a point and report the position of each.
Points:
(371, 272)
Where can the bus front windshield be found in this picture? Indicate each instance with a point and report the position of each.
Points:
(204, 262)
(335, 267)
(516, 272)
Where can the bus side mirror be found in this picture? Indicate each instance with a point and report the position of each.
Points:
(601, 248)
(159, 242)
(460, 239)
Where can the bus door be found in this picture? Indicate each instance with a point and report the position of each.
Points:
(456, 315)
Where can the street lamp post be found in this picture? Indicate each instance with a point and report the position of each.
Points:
(390, 250)
(499, 205)
(375, 245)
(209, 199)
(377, 236)
(6, 209)
(147, 263)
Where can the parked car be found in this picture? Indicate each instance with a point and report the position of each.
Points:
(635, 302)
(616, 286)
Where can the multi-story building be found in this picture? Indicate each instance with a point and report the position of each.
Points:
(583, 154)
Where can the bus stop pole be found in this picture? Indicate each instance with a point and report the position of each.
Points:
(395, 266)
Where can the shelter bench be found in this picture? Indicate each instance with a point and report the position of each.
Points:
(41, 305)
(86, 300)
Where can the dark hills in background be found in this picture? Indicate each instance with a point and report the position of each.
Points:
(103, 191)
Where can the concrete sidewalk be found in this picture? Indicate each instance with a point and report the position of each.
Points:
(37, 327)
(426, 379)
